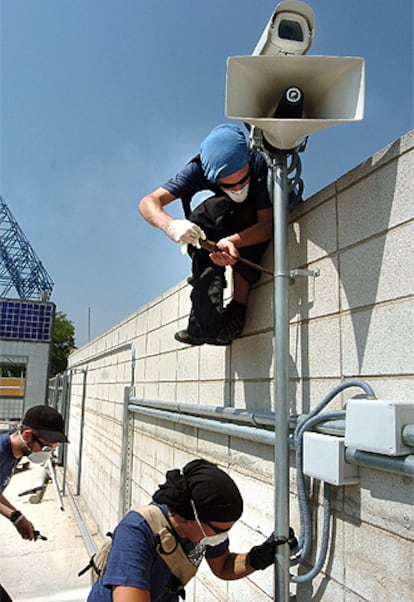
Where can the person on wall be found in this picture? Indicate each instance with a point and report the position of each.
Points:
(238, 218)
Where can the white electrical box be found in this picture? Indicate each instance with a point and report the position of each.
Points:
(375, 425)
(324, 459)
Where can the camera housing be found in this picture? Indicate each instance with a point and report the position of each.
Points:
(289, 31)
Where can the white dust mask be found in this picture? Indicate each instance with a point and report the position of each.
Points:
(238, 196)
(214, 540)
(39, 457)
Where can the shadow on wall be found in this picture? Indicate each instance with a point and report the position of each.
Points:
(360, 272)
(364, 201)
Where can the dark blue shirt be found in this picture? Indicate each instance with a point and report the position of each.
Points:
(7, 461)
(134, 561)
(191, 179)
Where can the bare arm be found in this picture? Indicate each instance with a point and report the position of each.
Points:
(152, 206)
(231, 566)
(6, 508)
(261, 231)
(121, 593)
(23, 526)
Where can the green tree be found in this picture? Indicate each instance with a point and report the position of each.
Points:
(63, 343)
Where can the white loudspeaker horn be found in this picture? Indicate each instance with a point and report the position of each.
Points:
(333, 91)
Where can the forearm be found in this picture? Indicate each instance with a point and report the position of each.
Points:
(235, 566)
(6, 508)
(259, 232)
(151, 208)
(22, 524)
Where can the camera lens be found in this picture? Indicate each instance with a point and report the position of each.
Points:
(290, 30)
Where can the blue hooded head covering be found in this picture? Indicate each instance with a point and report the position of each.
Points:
(224, 151)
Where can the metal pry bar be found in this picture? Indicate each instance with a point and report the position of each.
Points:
(211, 246)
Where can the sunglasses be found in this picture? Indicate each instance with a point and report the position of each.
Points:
(45, 447)
(234, 184)
(215, 529)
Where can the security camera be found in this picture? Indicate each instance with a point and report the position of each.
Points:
(289, 30)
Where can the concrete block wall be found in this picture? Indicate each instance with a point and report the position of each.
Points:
(353, 321)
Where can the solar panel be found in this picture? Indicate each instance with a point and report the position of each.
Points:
(26, 320)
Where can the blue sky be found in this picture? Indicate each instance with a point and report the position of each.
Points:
(103, 100)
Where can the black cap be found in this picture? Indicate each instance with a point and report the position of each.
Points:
(47, 422)
(214, 493)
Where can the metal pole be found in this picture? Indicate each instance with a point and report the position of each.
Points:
(82, 425)
(281, 322)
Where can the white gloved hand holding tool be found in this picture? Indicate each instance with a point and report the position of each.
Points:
(185, 232)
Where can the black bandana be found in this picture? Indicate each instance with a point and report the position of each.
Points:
(215, 494)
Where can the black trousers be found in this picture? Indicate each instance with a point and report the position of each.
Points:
(218, 217)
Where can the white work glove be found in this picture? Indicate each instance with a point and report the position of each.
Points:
(185, 232)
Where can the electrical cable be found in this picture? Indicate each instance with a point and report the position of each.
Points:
(305, 538)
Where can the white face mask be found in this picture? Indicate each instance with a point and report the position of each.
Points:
(238, 196)
(36, 457)
(39, 457)
(214, 540)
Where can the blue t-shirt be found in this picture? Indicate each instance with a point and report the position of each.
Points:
(135, 562)
(191, 179)
(7, 461)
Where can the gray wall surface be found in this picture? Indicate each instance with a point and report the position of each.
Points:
(353, 321)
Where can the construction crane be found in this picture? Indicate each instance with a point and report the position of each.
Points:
(20, 268)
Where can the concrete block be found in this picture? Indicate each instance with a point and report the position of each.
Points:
(184, 301)
(312, 297)
(214, 362)
(167, 340)
(251, 357)
(380, 566)
(399, 387)
(209, 588)
(153, 342)
(214, 393)
(383, 503)
(259, 504)
(170, 306)
(260, 312)
(168, 367)
(167, 390)
(389, 153)
(379, 340)
(152, 368)
(319, 348)
(377, 202)
(188, 392)
(321, 588)
(379, 269)
(212, 446)
(141, 324)
(252, 395)
(253, 458)
(188, 360)
(307, 393)
(313, 236)
(247, 590)
(150, 390)
(154, 316)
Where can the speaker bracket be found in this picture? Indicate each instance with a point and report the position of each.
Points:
(297, 273)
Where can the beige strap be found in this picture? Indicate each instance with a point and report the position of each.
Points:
(169, 547)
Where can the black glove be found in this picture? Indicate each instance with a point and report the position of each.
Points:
(260, 557)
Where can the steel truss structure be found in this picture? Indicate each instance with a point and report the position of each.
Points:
(20, 268)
